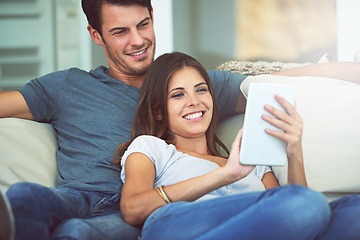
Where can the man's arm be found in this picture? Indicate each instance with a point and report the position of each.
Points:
(348, 71)
(13, 104)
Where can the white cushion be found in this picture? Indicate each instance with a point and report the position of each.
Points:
(27, 152)
(331, 135)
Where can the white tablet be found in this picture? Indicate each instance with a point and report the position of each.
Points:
(258, 147)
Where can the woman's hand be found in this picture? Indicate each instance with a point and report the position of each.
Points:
(236, 170)
(290, 122)
(292, 125)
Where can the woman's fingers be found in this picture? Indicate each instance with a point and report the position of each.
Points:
(288, 126)
(289, 121)
(282, 119)
(288, 116)
(237, 141)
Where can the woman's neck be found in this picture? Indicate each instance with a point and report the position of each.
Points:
(197, 148)
(192, 146)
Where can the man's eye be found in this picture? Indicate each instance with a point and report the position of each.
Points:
(119, 32)
(144, 24)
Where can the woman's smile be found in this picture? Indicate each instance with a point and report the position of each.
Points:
(194, 115)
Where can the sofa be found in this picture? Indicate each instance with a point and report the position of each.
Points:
(331, 136)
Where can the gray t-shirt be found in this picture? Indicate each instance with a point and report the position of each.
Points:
(92, 115)
(172, 166)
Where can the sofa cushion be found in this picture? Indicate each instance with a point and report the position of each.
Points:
(27, 152)
(331, 134)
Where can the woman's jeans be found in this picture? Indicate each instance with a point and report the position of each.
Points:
(289, 212)
(64, 213)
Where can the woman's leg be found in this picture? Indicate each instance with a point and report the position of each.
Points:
(290, 212)
(38, 209)
(345, 218)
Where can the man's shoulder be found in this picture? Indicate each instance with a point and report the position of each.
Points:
(63, 73)
(73, 73)
(77, 71)
(223, 76)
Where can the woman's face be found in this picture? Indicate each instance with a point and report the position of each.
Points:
(189, 103)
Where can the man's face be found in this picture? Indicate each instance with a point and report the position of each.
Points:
(128, 37)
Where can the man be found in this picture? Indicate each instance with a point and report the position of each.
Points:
(92, 114)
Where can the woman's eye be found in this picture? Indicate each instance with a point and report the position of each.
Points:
(177, 95)
(202, 90)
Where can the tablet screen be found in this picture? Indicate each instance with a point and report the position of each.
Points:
(258, 147)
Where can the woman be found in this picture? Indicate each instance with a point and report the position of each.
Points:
(178, 186)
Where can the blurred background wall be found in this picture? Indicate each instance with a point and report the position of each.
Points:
(285, 30)
(271, 30)
(42, 36)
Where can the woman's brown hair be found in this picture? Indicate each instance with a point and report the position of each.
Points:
(153, 101)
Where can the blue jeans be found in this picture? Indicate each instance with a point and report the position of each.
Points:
(289, 212)
(64, 213)
(345, 218)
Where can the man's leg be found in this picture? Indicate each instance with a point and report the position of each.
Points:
(345, 218)
(7, 226)
(38, 209)
(104, 227)
(105, 223)
(289, 212)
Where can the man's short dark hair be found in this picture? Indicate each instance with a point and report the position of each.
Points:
(92, 9)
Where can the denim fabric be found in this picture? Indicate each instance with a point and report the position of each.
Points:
(66, 214)
(289, 212)
(345, 216)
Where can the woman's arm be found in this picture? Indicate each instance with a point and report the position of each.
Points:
(269, 180)
(292, 124)
(139, 199)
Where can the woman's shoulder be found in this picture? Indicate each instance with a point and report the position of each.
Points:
(150, 143)
(153, 147)
(148, 139)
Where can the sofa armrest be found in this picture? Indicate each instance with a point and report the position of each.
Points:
(331, 134)
(27, 152)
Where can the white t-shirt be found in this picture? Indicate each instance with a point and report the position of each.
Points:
(172, 166)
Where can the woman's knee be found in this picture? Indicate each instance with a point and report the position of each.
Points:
(306, 206)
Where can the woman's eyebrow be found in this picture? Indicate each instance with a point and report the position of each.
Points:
(181, 88)
(202, 83)
(174, 89)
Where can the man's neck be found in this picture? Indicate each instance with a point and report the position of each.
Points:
(131, 80)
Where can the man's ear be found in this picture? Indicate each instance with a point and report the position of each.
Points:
(95, 35)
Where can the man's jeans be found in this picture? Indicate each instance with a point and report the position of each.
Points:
(63, 213)
(289, 212)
